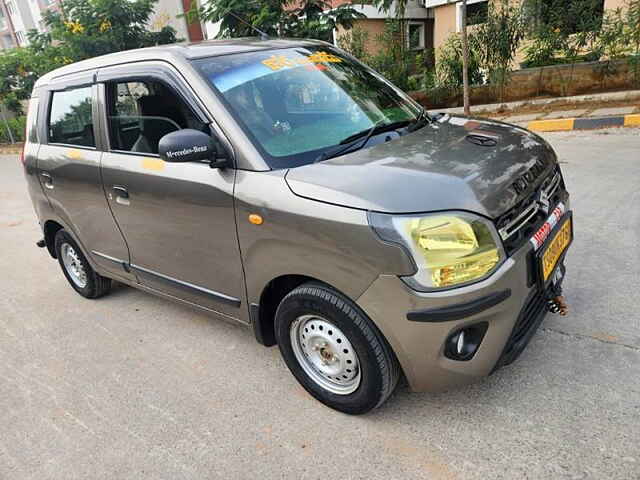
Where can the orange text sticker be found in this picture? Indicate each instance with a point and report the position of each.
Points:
(277, 62)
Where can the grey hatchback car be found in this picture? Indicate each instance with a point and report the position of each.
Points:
(286, 186)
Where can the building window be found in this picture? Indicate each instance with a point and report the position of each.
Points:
(21, 39)
(416, 35)
(10, 8)
(477, 11)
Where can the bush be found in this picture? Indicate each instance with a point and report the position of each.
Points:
(403, 67)
(394, 61)
(632, 37)
(355, 42)
(574, 31)
(449, 63)
(16, 125)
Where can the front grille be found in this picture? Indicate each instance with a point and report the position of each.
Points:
(518, 224)
(529, 320)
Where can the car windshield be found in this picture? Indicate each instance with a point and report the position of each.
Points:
(297, 103)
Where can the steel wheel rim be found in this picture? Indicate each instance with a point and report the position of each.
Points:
(325, 354)
(73, 265)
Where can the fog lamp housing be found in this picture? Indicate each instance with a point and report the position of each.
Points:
(463, 343)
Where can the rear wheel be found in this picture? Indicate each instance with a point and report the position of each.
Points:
(77, 270)
(334, 350)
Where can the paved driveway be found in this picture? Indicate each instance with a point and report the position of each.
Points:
(133, 386)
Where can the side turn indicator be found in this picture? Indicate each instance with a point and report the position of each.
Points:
(255, 219)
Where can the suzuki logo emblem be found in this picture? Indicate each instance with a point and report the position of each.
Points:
(542, 199)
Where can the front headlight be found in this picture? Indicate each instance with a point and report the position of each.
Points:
(450, 249)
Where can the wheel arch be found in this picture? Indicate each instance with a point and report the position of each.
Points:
(51, 227)
(263, 313)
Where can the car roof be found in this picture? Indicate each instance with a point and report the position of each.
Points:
(176, 53)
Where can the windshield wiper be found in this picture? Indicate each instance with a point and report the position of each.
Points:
(351, 140)
(356, 141)
(420, 121)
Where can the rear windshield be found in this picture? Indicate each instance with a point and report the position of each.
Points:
(295, 103)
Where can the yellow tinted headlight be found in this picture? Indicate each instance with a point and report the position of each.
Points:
(449, 249)
(455, 250)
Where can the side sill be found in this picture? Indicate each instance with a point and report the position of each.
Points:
(460, 311)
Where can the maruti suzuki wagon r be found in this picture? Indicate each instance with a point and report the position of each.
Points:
(286, 186)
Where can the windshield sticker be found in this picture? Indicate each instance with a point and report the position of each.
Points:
(278, 62)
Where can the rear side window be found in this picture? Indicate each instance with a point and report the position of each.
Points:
(70, 119)
(31, 134)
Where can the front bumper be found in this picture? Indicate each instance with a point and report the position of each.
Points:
(419, 346)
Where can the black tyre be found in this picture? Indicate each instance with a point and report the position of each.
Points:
(75, 267)
(334, 350)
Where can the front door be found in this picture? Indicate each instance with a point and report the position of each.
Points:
(69, 171)
(178, 218)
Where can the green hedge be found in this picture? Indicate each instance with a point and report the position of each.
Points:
(17, 126)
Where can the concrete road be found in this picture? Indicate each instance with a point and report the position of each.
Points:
(132, 386)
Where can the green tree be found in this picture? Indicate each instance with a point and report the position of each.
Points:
(563, 31)
(393, 59)
(355, 42)
(305, 19)
(82, 29)
(496, 41)
(449, 63)
(89, 28)
(632, 37)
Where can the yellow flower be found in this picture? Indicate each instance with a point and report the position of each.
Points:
(74, 27)
(105, 25)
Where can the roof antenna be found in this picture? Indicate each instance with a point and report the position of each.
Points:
(263, 36)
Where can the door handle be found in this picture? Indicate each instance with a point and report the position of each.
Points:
(120, 191)
(47, 180)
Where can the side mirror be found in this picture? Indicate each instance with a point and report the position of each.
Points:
(190, 145)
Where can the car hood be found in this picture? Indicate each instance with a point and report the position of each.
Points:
(447, 165)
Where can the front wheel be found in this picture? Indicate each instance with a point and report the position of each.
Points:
(334, 350)
(76, 268)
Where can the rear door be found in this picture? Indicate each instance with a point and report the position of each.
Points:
(178, 218)
(69, 171)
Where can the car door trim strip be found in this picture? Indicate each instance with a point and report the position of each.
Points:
(221, 297)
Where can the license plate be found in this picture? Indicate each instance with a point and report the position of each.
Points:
(555, 247)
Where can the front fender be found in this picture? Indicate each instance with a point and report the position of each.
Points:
(299, 236)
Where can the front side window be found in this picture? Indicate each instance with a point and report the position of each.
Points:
(141, 113)
(296, 103)
(70, 119)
